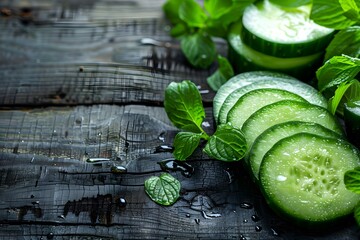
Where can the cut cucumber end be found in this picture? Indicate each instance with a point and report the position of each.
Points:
(241, 80)
(270, 136)
(284, 111)
(243, 59)
(302, 178)
(252, 101)
(283, 32)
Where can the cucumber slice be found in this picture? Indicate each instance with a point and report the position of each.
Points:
(242, 80)
(277, 132)
(283, 32)
(295, 86)
(244, 58)
(301, 177)
(284, 111)
(256, 99)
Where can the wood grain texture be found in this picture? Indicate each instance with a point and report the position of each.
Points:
(82, 126)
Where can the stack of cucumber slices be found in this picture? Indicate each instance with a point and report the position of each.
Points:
(271, 37)
(298, 152)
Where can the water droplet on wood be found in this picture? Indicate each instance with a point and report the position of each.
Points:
(246, 205)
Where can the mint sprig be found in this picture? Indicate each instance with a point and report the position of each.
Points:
(195, 25)
(184, 108)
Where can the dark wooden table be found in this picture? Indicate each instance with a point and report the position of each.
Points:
(82, 125)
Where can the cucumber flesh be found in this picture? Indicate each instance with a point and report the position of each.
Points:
(270, 136)
(301, 177)
(256, 99)
(284, 111)
(283, 32)
(242, 80)
(295, 86)
(243, 58)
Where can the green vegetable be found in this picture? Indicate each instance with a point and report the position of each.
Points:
(164, 190)
(192, 13)
(185, 144)
(332, 13)
(337, 70)
(352, 182)
(302, 178)
(199, 49)
(227, 144)
(183, 105)
(221, 75)
(291, 3)
(346, 41)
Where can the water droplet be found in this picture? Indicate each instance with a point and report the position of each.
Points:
(246, 205)
(258, 228)
(32, 196)
(61, 216)
(164, 148)
(209, 215)
(205, 124)
(204, 56)
(118, 169)
(197, 220)
(97, 160)
(35, 203)
(274, 232)
(161, 137)
(50, 236)
(255, 218)
(174, 165)
(242, 237)
(245, 220)
(122, 202)
(187, 215)
(32, 159)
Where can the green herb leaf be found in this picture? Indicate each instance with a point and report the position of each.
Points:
(164, 190)
(345, 92)
(351, 10)
(221, 75)
(216, 8)
(291, 3)
(171, 10)
(185, 144)
(346, 41)
(192, 13)
(199, 49)
(357, 214)
(352, 180)
(227, 144)
(337, 70)
(179, 29)
(330, 13)
(183, 105)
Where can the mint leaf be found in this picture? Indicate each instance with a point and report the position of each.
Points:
(192, 13)
(185, 144)
(337, 70)
(330, 13)
(199, 49)
(227, 144)
(179, 29)
(352, 180)
(339, 93)
(291, 3)
(171, 10)
(164, 190)
(221, 75)
(216, 8)
(183, 105)
(346, 41)
(351, 10)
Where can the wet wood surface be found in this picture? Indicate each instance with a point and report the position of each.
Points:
(82, 126)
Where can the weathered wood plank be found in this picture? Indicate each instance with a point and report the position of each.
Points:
(88, 83)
